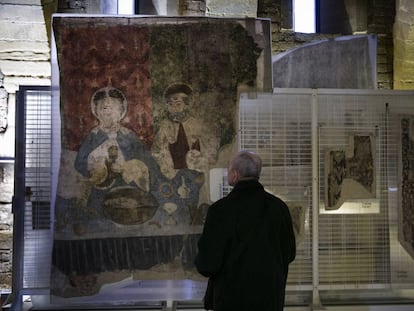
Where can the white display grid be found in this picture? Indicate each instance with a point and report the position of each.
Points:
(351, 251)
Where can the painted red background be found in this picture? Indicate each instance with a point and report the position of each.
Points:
(94, 57)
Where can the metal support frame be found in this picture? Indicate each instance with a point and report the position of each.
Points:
(316, 302)
(19, 200)
(18, 204)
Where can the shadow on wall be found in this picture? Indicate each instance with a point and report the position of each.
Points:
(347, 62)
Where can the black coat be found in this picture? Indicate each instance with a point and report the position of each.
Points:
(245, 248)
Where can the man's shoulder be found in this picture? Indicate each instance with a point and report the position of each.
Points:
(221, 204)
(273, 199)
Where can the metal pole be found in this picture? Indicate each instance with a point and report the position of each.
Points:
(316, 303)
(18, 204)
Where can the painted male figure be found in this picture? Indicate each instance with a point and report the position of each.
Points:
(247, 243)
(184, 141)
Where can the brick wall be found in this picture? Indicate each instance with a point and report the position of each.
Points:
(381, 14)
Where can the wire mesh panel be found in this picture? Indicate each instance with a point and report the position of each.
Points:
(365, 147)
(37, 238)
(400, 167)
(353, 222)
(361, 180)
(278, 128)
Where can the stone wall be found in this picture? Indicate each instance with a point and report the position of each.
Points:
(381, 15)
(24, 60)
(404, 46)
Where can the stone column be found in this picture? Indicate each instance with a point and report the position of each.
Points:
(6, 194)
(4, 96)
(192, 8)
(231, 8)
(404, 46)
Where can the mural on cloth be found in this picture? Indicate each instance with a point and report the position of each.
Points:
(148, 107)
(406, 206)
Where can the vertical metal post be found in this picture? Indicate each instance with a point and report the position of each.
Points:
(18, 204)
(316, 303)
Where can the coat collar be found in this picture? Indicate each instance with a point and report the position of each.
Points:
(247, 184)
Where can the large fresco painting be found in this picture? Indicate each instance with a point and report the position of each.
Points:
(148, 107)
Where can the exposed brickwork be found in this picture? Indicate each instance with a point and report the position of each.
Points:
(5, 258)
(403, 39)
(288, 39)
(385, 52)
(381, 15)
(271, 9)
(192, 7)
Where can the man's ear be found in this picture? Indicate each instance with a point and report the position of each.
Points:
(236, 176)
